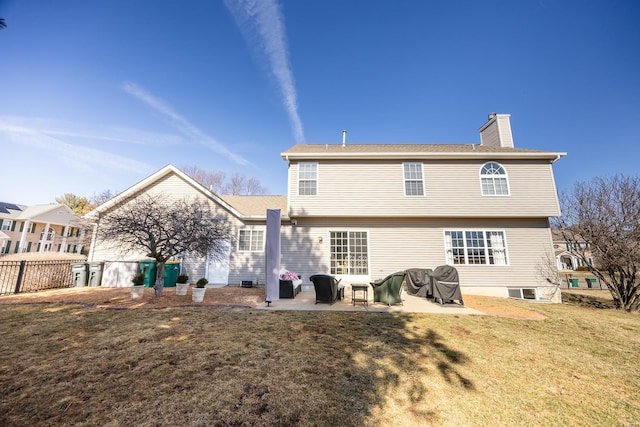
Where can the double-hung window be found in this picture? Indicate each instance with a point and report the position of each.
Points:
(349, 252)
(493, 179)
(469, 247)
(307, 179)
(47, 234)
(7, 225)
(413, 181)
(250, 240)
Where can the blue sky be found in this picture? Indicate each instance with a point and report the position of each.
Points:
(97, 95)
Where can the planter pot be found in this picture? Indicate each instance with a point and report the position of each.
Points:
(197, 294)
(137, 291)
(182, 288)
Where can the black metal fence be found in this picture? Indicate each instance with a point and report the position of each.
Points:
(30, 276)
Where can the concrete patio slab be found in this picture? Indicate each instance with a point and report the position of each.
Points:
(305, 301)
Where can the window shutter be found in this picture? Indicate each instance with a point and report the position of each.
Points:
(21, 226)
(13, 226)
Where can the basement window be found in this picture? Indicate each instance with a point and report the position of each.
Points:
(523, 293)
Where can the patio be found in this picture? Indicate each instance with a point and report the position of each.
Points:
(305, 300)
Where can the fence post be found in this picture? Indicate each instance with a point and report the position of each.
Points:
(19, 279)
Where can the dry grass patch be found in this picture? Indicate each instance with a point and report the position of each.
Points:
(219, 365)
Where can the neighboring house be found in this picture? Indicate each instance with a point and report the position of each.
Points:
(566, 256)
(40, 228)
(361, 212)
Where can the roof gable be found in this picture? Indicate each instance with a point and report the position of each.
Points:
(247, 206)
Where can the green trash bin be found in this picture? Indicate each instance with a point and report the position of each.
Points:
(95, 273)
(171, 270)
(79, 274)
(148, 268)
(574, 283)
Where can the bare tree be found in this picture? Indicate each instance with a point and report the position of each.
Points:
(547, 270)
(602, 217)
(102, 197)
(164, 229)
(3, 23)
(218, 182)
(213, 180)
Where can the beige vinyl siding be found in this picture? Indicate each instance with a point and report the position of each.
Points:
(396, 244)
(452, 188)
(505, 131)
(174, 188)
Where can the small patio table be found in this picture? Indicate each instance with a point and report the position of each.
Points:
(364, 289)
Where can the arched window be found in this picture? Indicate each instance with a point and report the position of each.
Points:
(493, 179)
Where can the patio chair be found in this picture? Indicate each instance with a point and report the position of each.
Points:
(326, 287)
(288, 289)
(388, 289)
(446, 285)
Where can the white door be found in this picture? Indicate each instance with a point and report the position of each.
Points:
(218, 270)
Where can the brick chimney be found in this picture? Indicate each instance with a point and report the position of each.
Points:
(497, 131)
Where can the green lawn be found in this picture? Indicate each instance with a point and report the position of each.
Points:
(73, 365)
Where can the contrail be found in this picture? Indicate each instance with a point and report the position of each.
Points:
(180, 123)
(81, 158)
(262, 25)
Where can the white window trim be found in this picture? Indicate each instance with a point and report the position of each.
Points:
(6, 225)
(316, 179)
(506, 177)
(252, 230)
(521, 296)
(485, 231)
(404, 180)
(350, 230)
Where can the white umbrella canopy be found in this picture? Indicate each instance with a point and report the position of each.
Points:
(272, 256)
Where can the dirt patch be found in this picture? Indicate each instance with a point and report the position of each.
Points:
(120, 298)
(501, 307)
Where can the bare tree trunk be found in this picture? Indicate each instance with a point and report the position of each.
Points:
(159, 286)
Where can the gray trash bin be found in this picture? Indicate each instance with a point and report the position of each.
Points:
(79, 274)
(95, 273)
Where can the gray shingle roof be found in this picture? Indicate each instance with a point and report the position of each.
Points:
(257, 205)
(403, 148)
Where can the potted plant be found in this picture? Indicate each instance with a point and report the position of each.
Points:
(137, 290)
(182, 285)
(197, 293)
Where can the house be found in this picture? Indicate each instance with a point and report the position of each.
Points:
(40, 228)
(569, 257)
(361, 212)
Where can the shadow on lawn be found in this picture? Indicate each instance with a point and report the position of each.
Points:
(223, 366)
(590, 301)
(379, 360)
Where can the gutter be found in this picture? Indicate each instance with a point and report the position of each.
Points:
(417, 155)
